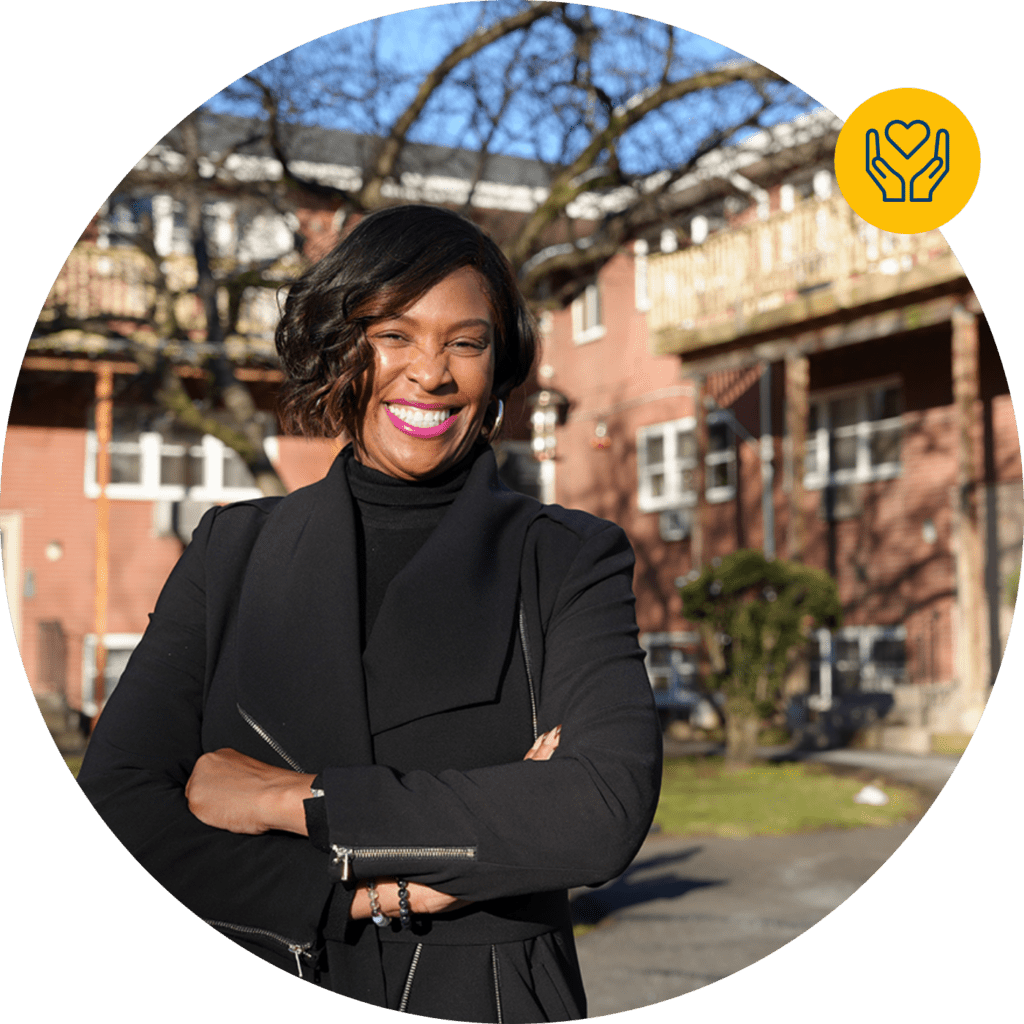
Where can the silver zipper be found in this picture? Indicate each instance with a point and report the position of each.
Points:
(497, 982)
(269, 740)
(297, 949)
(529, 668)
(344, 855)
(408, 981)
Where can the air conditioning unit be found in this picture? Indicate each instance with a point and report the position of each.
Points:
(674, 524)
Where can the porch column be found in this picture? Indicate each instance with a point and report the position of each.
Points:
(970, 564)
(699, 533)
(104, 428)
(797, 381)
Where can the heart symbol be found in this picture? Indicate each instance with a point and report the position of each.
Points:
(906, 133)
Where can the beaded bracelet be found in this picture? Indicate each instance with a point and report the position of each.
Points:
(404, 911)
(378, 916)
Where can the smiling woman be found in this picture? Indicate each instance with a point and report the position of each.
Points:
(318, 745)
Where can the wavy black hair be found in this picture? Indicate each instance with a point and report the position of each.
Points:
(388, 261)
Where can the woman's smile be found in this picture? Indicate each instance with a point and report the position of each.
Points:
(432, 380)
(419, 420)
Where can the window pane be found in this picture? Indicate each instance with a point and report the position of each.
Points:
(845, 411)
(887, 403)
(236, 473)
(888, 652)
(718, 437)
(812, 419)
(657, 485)
(125, 467)
(719, 474)
(885, 446)
(654, 450)
(844, 452)
(846, 671)
(183, 469)
(686, 481)
(686, 445)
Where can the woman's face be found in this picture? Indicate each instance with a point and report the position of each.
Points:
(432, 379)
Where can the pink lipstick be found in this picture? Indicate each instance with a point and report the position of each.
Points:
(421, 432)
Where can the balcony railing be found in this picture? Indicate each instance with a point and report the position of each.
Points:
(810, 261)
(122, 284)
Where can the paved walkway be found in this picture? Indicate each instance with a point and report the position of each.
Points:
(691, 911)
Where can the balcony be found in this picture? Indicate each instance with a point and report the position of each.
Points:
(98, 288)
(812, 262)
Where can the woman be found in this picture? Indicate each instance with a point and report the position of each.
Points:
(318, 744)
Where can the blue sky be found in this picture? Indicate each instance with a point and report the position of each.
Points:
(415, 40)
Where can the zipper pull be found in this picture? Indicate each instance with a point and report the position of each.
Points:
(343, 856)
(296, 950)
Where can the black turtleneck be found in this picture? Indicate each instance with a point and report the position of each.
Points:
(394, 518)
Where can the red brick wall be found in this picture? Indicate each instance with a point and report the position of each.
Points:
(43, 479)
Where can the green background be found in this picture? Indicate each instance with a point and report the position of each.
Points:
(87, 934)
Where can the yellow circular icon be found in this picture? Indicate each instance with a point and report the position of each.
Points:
(907, 160)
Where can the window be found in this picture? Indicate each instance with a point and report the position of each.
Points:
(671, 666)
(854, 436)
(856, 659)
(720, 461)
(153, 457)
(119, 649)
(666, 459)
(586, 316)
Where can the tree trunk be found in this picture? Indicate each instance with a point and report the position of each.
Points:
(741, 731)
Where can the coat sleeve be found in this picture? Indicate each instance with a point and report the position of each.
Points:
(513, 829)
(141, 755)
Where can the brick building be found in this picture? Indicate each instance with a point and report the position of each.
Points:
(772, 372)
(849, 369)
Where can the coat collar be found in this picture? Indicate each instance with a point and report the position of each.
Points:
(440, 639)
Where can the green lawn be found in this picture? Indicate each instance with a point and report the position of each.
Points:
(699, 797)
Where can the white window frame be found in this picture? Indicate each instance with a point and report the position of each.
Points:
(818, 443)
(587, 315)
(641, 280)
(150, 445)
(872, 679)
(112, 642)
(675, 496)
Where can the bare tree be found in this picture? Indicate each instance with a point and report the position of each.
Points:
(609, 112)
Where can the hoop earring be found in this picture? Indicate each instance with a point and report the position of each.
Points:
(496, 426)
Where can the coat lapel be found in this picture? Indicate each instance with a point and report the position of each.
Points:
(300, 672)
(442, 634)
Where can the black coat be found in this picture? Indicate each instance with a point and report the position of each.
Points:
(514, 617)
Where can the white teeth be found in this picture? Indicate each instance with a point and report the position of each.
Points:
(422, 418)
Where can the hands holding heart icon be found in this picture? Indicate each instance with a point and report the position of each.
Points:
(906, 139)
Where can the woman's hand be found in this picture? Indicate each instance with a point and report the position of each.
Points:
(544, 745)
(422, 899)
(237, 793)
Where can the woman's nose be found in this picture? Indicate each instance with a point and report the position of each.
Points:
(429, 369)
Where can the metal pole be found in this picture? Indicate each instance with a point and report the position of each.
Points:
(767, 471)
(104, 428)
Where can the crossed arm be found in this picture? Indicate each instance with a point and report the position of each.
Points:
(234, 792)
